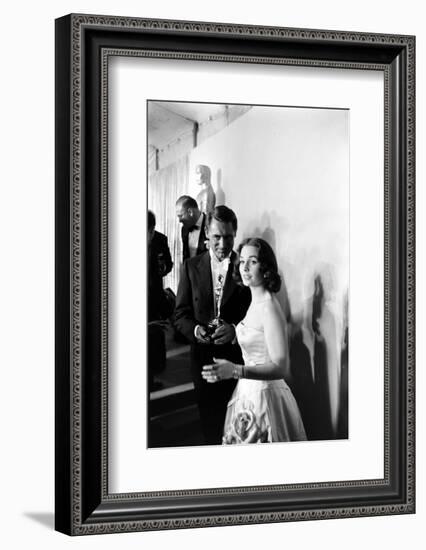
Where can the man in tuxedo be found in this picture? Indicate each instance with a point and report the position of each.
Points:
(159, 265)
(193, 226)
(207, 289)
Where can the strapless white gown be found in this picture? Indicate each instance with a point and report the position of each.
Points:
(260, 411)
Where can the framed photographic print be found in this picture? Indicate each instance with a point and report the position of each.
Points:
(234, 274)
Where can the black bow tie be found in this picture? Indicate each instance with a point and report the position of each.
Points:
(193, 228)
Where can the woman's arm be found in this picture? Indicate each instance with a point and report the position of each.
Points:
(275, 328)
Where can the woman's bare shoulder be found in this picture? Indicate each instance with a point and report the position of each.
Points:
(271, 307)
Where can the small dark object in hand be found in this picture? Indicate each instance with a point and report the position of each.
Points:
(213, 325)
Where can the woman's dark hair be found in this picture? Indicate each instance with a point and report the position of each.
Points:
(268, 264)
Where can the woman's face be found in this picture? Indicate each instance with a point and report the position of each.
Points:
(250, 270)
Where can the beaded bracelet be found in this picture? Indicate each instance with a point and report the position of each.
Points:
(237, 373)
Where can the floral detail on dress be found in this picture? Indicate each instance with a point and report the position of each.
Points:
(244, 428)
(260, 411)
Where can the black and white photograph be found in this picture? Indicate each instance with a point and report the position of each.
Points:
(230, 269)
(212, 239)
(247, 273)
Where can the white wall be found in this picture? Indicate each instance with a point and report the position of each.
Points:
(285, 172)
(26, 351)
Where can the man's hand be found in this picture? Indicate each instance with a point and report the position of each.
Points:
(201, 335)
(224, 334)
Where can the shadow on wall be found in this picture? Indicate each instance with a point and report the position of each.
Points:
(318, 341)
(220, 193)
(319, 364)
(268, 234)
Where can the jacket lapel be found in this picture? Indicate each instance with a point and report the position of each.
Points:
(230, 284)
(202, 237)
(204, 282)
(185, 246)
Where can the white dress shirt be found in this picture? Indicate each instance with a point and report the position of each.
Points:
(219, 270)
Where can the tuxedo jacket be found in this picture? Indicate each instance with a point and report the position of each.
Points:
(201, 241)
(159, 245)
(195, 306)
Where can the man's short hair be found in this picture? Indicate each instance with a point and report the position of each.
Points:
(223, 214)
(151, 220)
(187, 202)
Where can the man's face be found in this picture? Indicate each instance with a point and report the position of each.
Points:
(221, 238)
(184, 215)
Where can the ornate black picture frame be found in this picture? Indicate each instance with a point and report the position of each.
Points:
(83, 45)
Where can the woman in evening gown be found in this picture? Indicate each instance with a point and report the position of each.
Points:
(262, 408)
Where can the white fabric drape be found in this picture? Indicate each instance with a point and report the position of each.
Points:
(165, 186)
